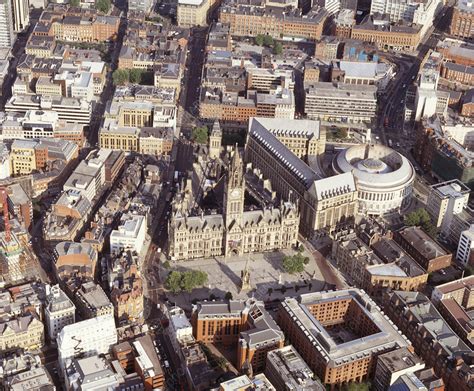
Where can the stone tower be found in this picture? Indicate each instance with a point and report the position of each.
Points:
(234, 191)
(215, 141)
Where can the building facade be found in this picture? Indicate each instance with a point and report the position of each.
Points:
(23, 332)
(324, 203)
(246, 323)
(386, 36)
(21, 14)
(340, 102)
(59, 311)
(465, 250)
(235, 231)
(123, 138)
(191, 13)
(130, 234)
(87, 338)
(462, 21)
(7, 35)
(424, 250)
(446, 199)
(253, 19)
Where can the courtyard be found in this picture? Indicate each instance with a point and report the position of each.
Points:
(268, 280)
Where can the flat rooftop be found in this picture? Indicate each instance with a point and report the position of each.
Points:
(334, 353)
(399, 360)
(454, 188)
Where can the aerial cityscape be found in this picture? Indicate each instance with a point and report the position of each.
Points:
(237, 195)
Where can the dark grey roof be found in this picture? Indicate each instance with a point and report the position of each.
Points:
(276, 148)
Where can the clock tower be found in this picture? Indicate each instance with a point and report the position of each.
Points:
(234, 191)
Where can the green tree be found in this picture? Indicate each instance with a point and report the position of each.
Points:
(228, 296)
(421, 218)
(294, 264)
(259, 39)
(267, 40)
(135, 76)
(173, 281)
(200, 134)
(277, 48)
(166, 265)
(120, 77)
(74, 3)
(103, 5)
(187, 282)
(199, 277)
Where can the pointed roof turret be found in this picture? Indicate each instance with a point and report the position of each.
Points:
(216, 130)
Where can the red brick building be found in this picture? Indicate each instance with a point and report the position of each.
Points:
(245, 323)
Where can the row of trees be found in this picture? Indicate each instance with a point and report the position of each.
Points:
(185, 281)
(121, 77)
(268, 41)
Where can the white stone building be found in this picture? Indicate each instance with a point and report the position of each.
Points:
(5, 170)
(130, 235)
(465, 251)
(445, 200)
(412, 11)
(88, 337)
(384, 177)
(341, 102)
(59, 311)
(7, 35)
(180, 329)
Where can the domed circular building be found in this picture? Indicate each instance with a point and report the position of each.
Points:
(384, 177)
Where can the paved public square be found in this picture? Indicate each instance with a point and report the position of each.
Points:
(266, 277)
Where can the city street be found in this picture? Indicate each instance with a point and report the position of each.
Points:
(109, 88)
(392, 103)
(189, 101)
